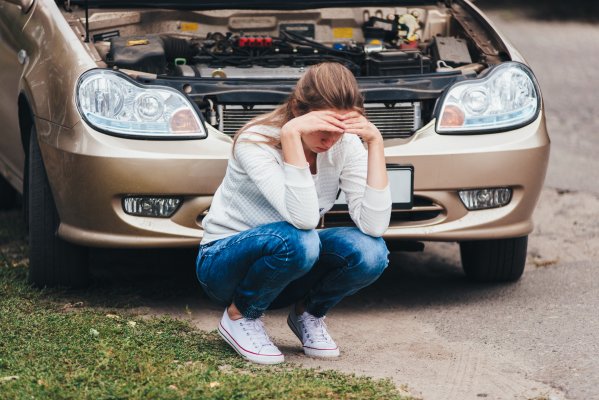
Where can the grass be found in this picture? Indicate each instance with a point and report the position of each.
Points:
(52, 351)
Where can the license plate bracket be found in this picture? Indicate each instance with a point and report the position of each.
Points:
(401, 183)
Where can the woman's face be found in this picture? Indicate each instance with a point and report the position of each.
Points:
(321, 141)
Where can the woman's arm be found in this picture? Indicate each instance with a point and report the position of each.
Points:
(288, 189)
(377, 170)
(364, 177)
(292, 132)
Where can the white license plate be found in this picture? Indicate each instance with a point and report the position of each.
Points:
(401, 183)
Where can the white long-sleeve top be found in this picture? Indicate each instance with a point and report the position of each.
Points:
(260, 188)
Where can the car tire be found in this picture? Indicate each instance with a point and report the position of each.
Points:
(8, 195)
(52, 261)
(497, 260)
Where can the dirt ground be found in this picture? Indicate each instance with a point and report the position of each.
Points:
(440, 337)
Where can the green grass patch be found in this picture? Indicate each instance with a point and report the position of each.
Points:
(49, 351)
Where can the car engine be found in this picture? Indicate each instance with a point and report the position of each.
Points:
(237, 64)
(404, 42)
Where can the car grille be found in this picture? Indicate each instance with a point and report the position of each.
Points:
(423, 210)
(232, 117)
(398, 120)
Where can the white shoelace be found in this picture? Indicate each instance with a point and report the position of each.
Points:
(255, 329)
(316, 329)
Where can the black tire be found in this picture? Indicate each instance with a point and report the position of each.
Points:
(497, 260)
(52, 261)
(8, 195)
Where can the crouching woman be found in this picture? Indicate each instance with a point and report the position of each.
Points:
(261, 248)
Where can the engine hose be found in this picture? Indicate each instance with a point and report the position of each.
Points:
(178, 48)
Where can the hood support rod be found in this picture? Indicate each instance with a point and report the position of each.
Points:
(86, 22)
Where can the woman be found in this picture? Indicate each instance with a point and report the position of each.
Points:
(260, 248)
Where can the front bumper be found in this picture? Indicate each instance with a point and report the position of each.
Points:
(90, 172)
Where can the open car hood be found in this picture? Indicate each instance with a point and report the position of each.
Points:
(246, 4)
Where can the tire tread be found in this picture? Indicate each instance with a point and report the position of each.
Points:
(497, 260)
(52, 261)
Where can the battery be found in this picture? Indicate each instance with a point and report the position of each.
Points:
(453, 51)
(396, 62)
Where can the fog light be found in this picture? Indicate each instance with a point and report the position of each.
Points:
(480, 199)
(159, 207)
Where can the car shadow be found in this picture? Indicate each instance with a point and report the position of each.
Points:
(139, 278)
(421, 280)
(128, 279)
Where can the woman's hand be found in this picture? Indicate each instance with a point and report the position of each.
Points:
(304, 126)
(307, 124)
(315, 121)
(357, 124)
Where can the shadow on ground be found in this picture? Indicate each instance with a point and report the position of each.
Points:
(128, 279)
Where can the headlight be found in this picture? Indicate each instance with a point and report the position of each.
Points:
(508, 97)
(115, 104)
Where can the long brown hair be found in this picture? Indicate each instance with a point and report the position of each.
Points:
(323, 86)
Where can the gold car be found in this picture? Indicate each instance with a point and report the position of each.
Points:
(118, 119)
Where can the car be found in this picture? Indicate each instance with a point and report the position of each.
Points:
(118, 119)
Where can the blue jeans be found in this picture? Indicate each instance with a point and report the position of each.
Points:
(276, 265)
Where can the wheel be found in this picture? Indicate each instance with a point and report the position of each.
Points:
(52, 261)
(498, 260)
(8, 195)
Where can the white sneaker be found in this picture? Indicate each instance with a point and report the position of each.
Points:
(312, 332)
(249, 339)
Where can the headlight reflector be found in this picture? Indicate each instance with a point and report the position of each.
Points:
(506, 98)
(149, 107)
(476, 100)
(115, 104)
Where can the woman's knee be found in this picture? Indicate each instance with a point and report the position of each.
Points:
(371, 255)
(303, 248)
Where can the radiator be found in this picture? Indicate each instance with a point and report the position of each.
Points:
(399, 120)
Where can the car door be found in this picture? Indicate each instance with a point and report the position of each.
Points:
(13, 60)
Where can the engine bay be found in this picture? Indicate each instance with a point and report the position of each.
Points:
(221, 44)
(237, 64)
